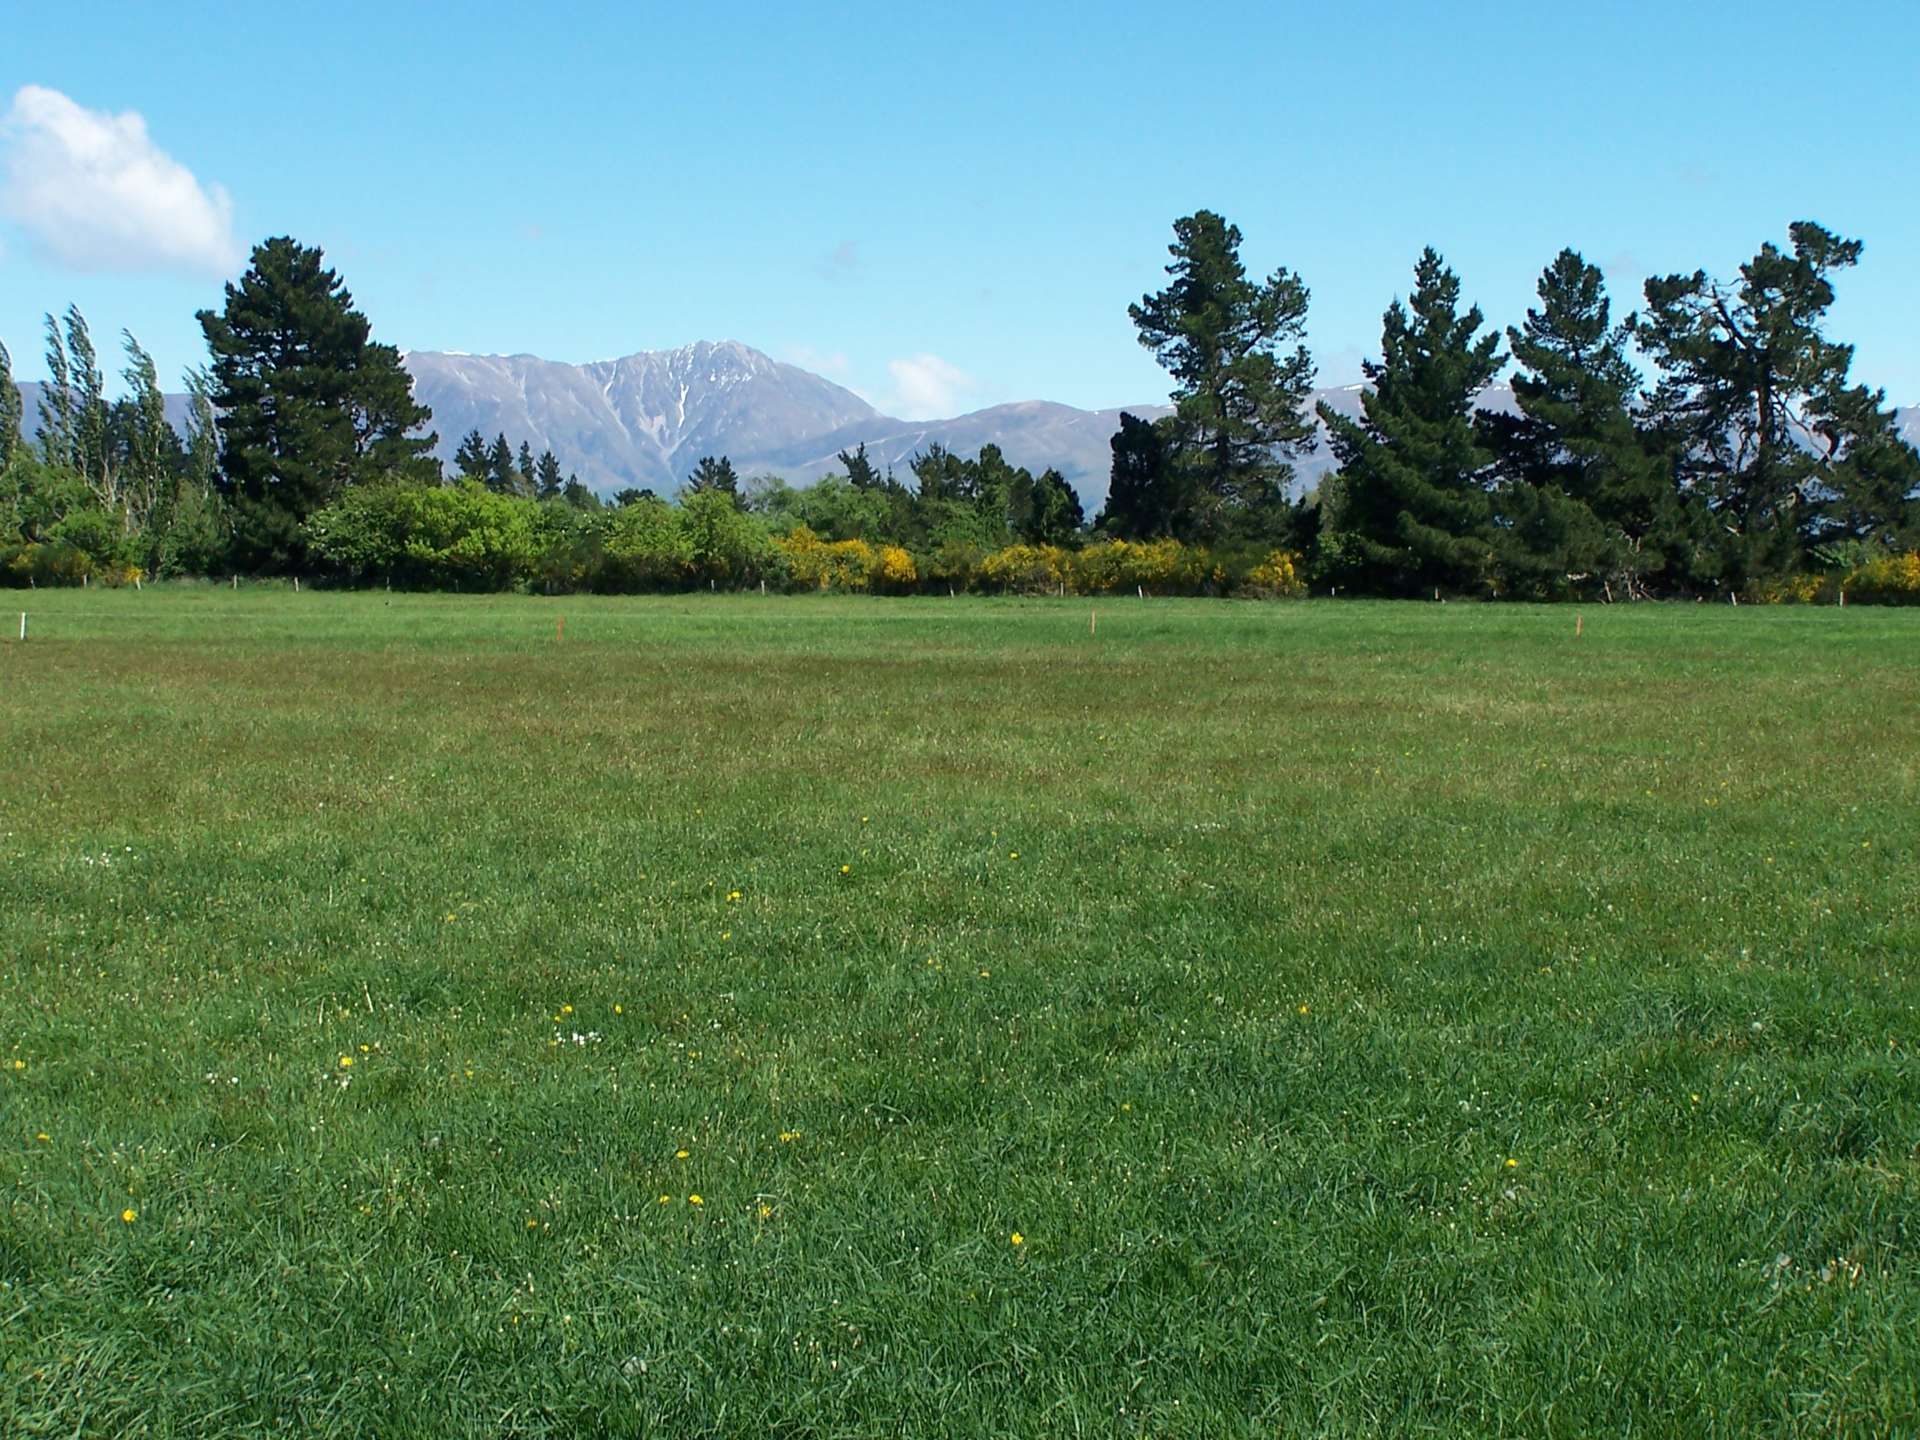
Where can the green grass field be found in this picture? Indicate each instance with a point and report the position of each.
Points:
(871, 1018)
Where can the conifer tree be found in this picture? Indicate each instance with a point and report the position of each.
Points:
(152, 449)
(1240, 393)
(1582, 493)
(500, 476)
(1145, 497)
(308, 404)
(1755, 399)
(1412, 512)
(92, 456)
(547, 480)
(712, 474)
(471, 458)
(525, 484)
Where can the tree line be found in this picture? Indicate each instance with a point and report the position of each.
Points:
(1749, 463)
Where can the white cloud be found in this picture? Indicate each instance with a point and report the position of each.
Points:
(93, 192)
(925, 387)
(821, 362)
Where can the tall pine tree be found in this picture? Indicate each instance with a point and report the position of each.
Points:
(1754, 399)
(470, 460)
(1585, 501)
(547, 479)
(1240, 393)
(309, 405)
(1412, 514)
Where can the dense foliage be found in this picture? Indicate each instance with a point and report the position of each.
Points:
(1749, 465)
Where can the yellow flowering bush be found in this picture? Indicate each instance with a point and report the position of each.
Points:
(817, 564)
(1890, 580)
(894, 570)
(1792, 590)
(1026, 569)
(1277, 577)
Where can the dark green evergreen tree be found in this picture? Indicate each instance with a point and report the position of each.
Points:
(1240, 393)
(1146, 496)
(1755, 401)
(1585, 502)
(861, 473)
(547, 481)
(308, 404)
(578, 495)
(1046, 510)
(1412, 512)
(527, 484)
(1869, 490)
(500, 477)
(470, 460)
(712, 474)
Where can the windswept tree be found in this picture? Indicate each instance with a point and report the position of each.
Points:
(309, 405)
(12, 441)
(151, 464)
(56, 403)
(1411, 512)
(1756, 402)
(1242, 374)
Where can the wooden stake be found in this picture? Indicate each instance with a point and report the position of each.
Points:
(23, 627)
(1093, 622)
(1577, 623)
(560, 630)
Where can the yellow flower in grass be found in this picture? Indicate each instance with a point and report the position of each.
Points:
(1512, 1164)
(1017, 1238)
(695, 1200)
(19, 1064)
(844, 870)
(787, 1137)
(666, 1199)
(681, 1154)
(346, 1062)
(129, 1215)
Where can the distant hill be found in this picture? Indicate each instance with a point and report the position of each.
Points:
(646, 419)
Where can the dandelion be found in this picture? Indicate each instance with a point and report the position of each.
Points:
(19, 1064)
(533, 1224)
(985, 973)
(863, 819)
(1013, 854)
(732, 895)
(1695, 1099)
(618, 1011)
(1017, 1238)
(766, 1211)
(42, 1137)
(844, 870)
(680, 1154)
(1127, 1105)
(566, 1009)
(451, 917)
(666, 1199)
(726, 934)
(346, 1062)
(1512, 1164)
(1303, 1009)
(787, 1137)
(695, 1200)
(129, 1215)
(366, 1049)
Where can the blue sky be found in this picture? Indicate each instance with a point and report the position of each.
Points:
(948, 207)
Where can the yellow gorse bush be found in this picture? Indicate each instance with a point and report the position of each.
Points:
(817, 564)
(1890, 580)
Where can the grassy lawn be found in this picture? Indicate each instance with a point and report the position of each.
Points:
(862, 1018)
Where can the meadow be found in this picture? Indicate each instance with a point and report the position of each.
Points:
(861, 1018)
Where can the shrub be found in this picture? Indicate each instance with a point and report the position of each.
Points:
(894, 571)
(1275, 578)
(1890, 580)
(1027, 569)
(816, 564)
